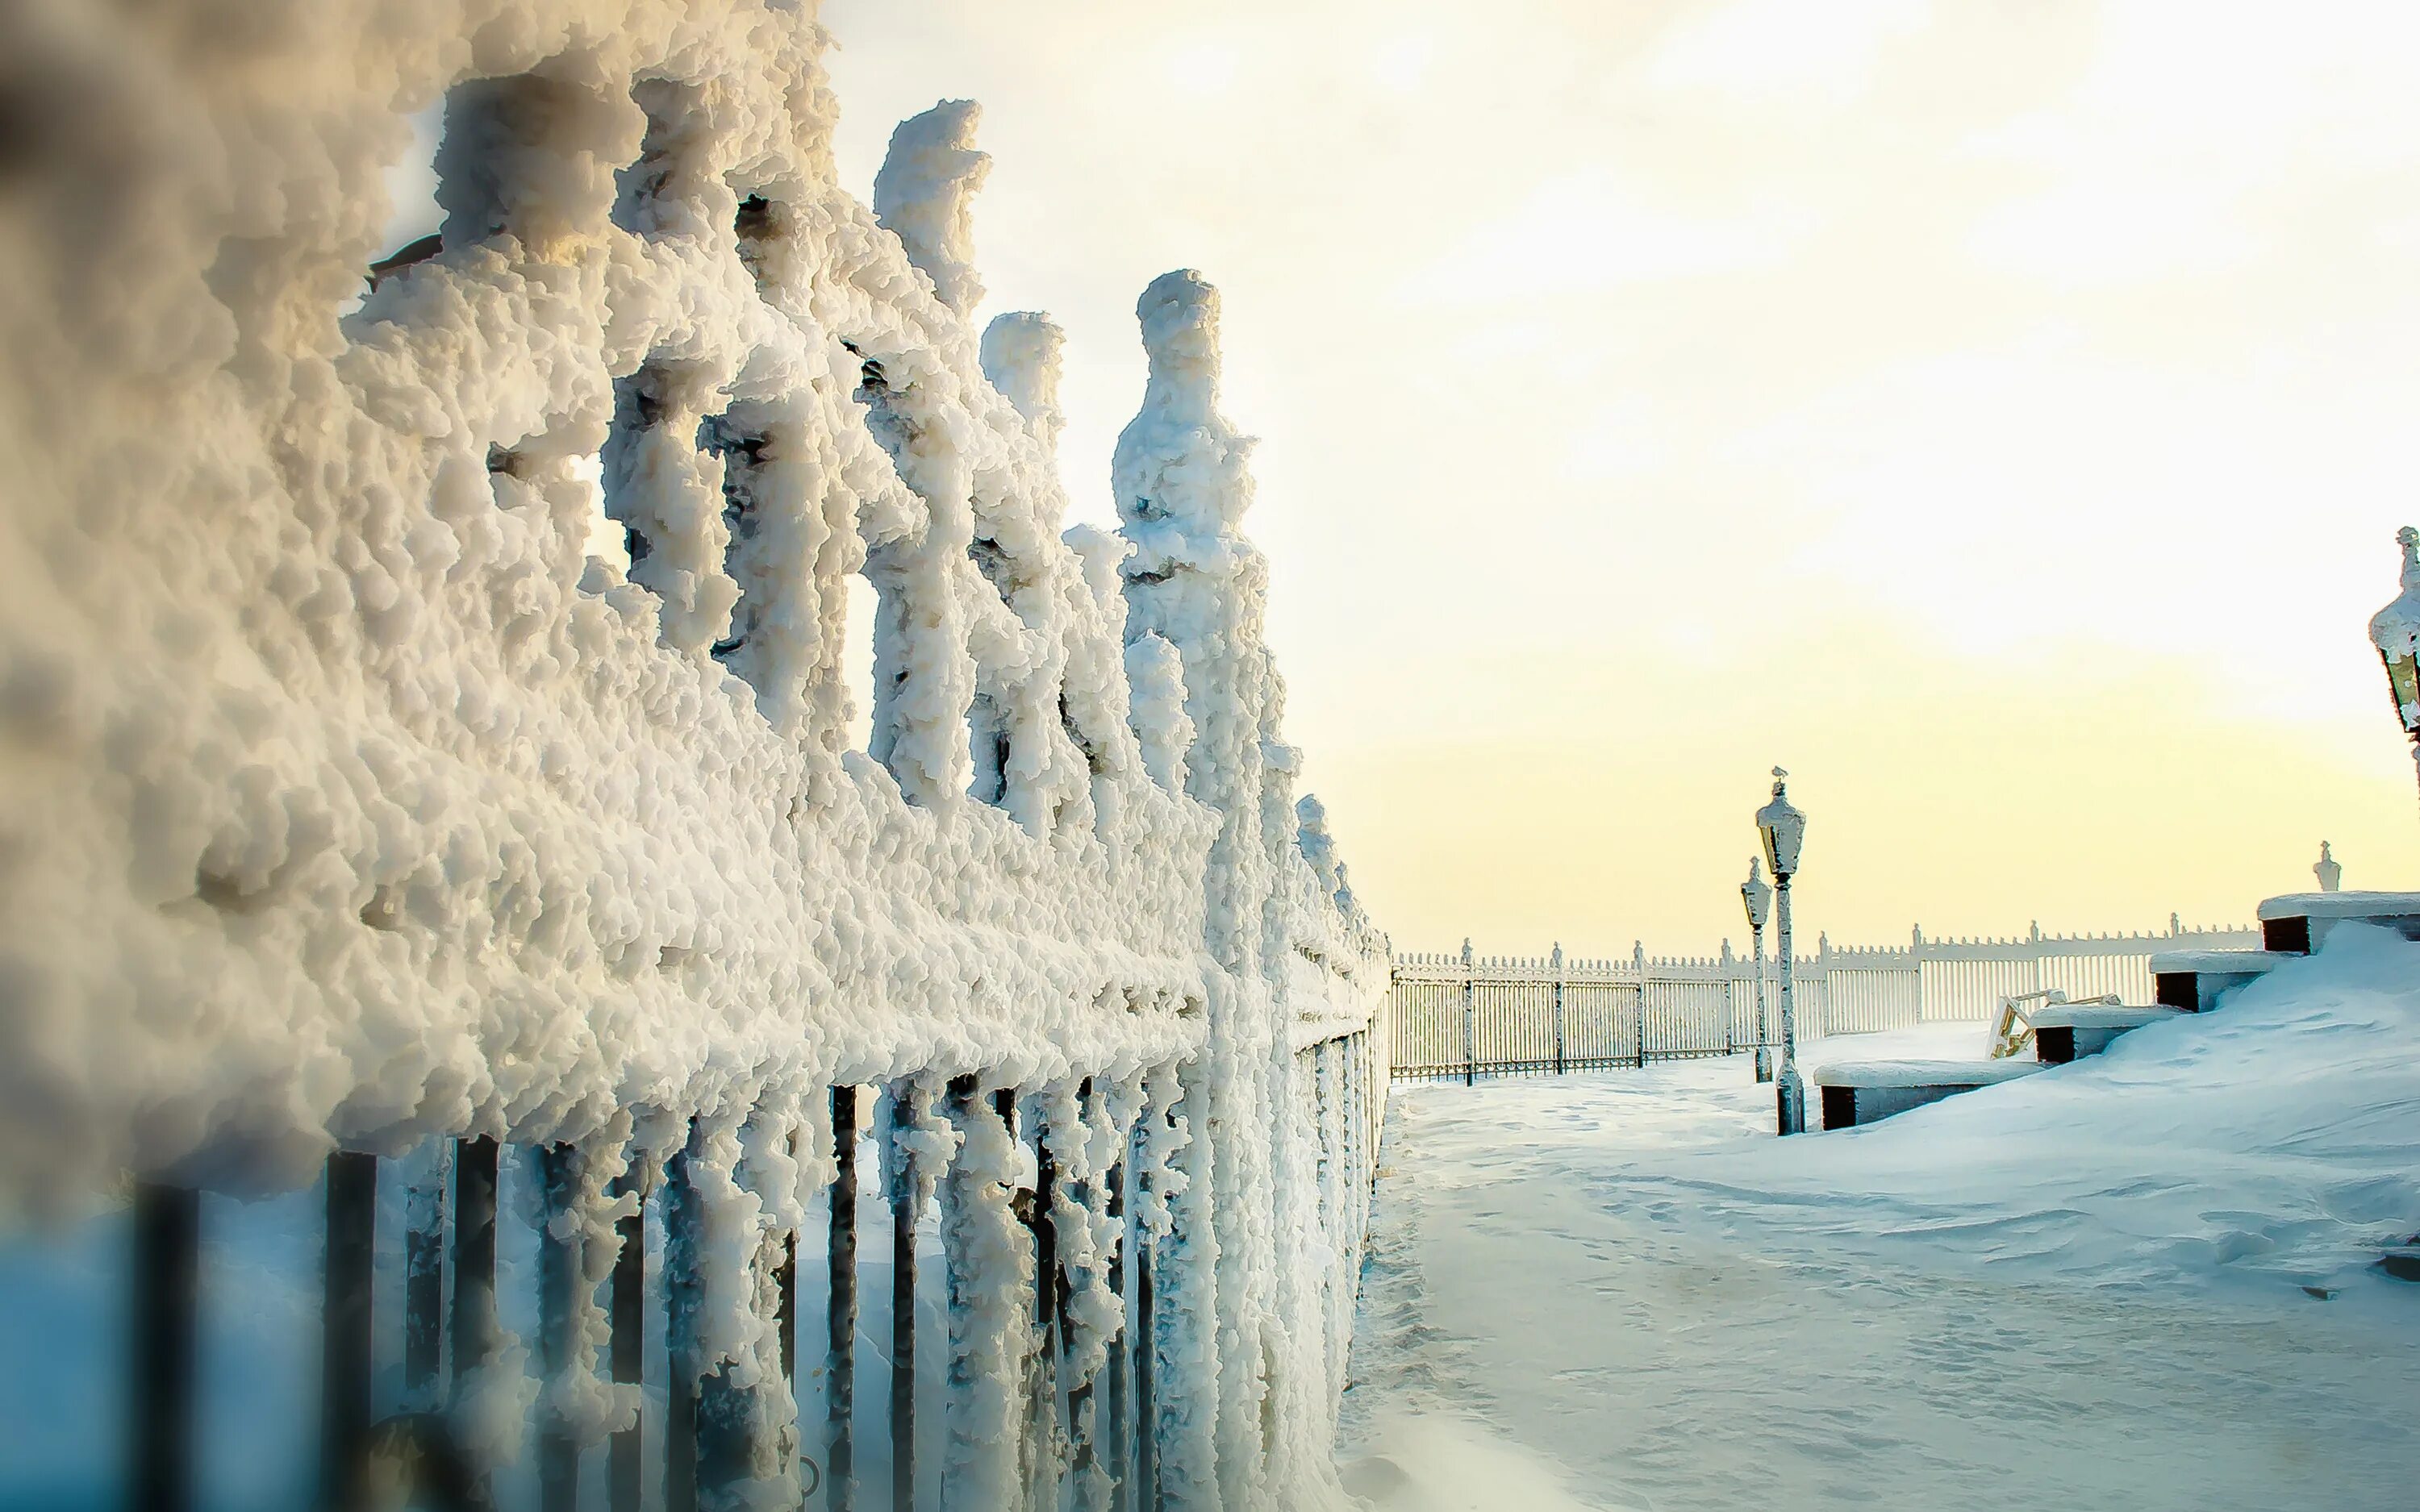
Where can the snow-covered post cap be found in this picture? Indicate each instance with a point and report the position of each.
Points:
(1179, 314)
(1020, 359)
(2394, 630)
(924, 194)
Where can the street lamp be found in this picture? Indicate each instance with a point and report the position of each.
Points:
(1784, 830)
(1757, 894)
(2394, 630)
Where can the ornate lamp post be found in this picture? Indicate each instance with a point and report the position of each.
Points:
(1783, 829)
(1757, 894)
(2394, 630)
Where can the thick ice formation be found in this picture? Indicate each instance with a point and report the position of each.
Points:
(353, 796)
(925, 196)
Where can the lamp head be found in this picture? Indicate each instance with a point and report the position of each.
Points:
(2394, 630)
(1783, 829)
(1757, 895)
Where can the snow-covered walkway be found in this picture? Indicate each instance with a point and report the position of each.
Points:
(2085, 1290)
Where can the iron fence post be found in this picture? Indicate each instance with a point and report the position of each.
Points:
(346, 1322)
(424, 1269)
(167, 1275)
(1469, 1019)
(625, 1469)
(561, 1273)
(904, 1116)
(1558, 959)
(840, 1358)
(1638, 963)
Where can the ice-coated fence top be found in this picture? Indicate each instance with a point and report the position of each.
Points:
(356, 793)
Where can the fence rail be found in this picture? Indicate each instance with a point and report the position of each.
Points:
(461, 791)
(1470, 1016)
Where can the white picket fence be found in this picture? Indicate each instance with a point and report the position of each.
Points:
(1470, 1016)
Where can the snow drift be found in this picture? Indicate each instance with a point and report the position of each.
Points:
(2143, 1280)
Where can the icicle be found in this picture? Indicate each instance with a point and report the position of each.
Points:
(990, 1276)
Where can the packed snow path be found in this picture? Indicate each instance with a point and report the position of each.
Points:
(2081, 1291)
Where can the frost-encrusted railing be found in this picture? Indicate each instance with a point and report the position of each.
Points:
(376, 806)
(1467, 1016)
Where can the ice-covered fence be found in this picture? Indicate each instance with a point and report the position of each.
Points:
(1466, 1016)
(1469, 1016)
(426, 741)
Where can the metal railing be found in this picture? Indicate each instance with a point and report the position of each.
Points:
(1466, 1016)
(542, 881)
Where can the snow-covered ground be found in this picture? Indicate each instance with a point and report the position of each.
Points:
(2084, 1289)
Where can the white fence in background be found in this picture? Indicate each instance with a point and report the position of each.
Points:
(1470, 1016)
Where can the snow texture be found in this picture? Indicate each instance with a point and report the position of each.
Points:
(422, 706)
(2144, 1280)
(1904, 1074)
(2341, 905)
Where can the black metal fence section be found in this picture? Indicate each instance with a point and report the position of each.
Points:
(387, 1422)
(1463, 1017)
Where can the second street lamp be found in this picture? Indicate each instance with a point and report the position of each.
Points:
(1757, 895)
(1783, 829)
(2394, 630)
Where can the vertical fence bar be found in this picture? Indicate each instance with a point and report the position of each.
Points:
(1558, 959)
(346, 1319)
(1113, 1440)
(840, 1356)
(473, 1319)
(1638, 965)
(684, 1288)
(424, 1282)
(626, 1459)
(729, 1451)
(785, 1307)
(904, 1116)
(1083, 1408)
(1043, 1398)
(1469, 1019)
(1146, 1498)
(560, 1274)
(167, 1222)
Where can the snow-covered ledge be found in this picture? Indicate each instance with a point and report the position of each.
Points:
(1912, 1073)
(1854, 1092)
(2296, 923)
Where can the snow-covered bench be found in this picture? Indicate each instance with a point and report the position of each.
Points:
(2296, 923)
(1855, 1092)
(2066, 1031)
(2194, 980)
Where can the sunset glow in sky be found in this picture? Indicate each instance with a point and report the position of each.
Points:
(1995, 411)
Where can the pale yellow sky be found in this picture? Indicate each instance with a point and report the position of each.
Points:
(1995, 410)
